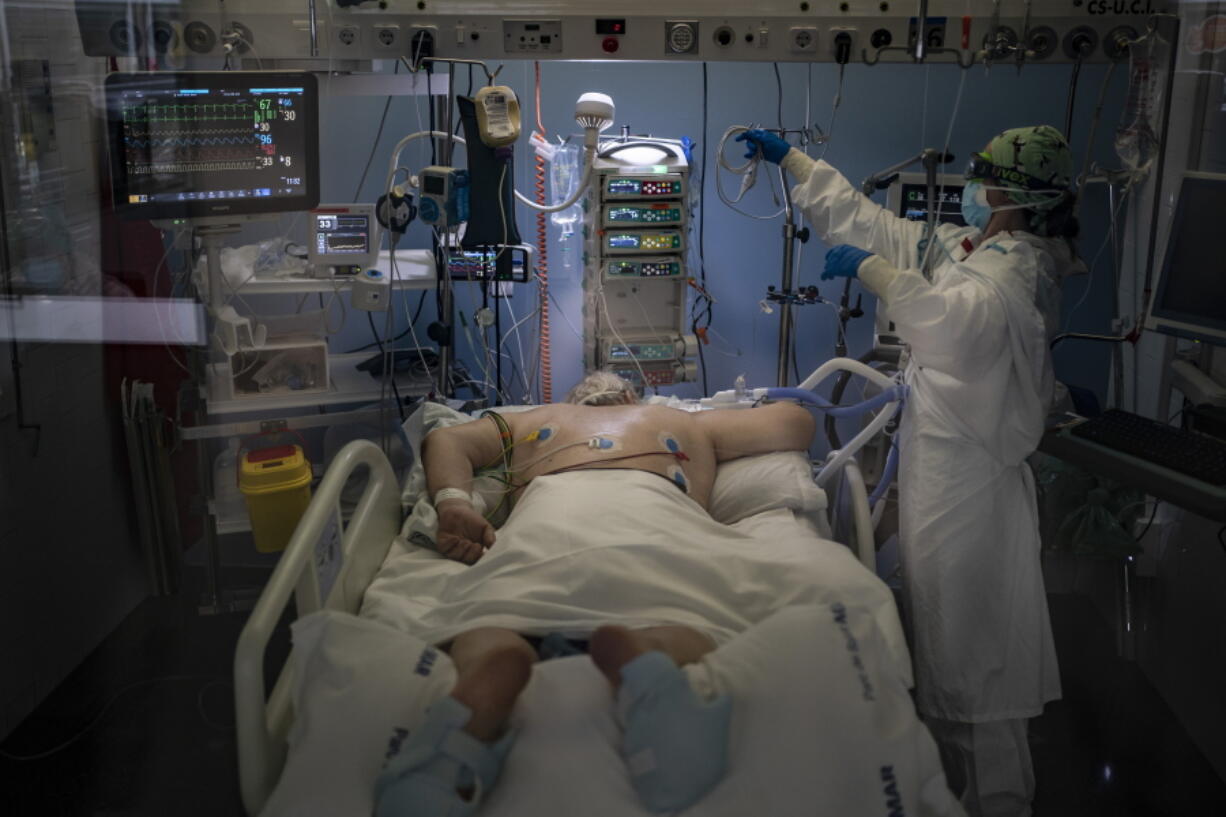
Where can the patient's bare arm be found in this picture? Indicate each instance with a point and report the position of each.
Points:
(743, 433)
(450, 457)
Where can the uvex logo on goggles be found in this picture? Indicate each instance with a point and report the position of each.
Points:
(980, 167)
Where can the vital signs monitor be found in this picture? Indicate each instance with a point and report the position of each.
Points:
(197, 144)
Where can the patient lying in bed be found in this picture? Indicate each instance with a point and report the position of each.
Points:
(674, 742)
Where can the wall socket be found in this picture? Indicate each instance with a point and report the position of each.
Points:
(803, 39)
(387, 36)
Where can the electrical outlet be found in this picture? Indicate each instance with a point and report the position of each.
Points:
(803, 39)
(387, 36)
(842, 44)
(348, 35)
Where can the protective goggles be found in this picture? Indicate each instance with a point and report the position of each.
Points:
(981, 167)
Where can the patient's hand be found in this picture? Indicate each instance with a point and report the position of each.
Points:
(463, 534)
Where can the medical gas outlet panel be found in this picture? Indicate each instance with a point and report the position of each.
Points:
(350, 33)
(636, 229)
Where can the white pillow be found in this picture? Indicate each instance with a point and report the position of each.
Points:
(750, 485)
(357, 684)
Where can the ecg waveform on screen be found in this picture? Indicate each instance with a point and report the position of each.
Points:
(203, 137)
(188, 112)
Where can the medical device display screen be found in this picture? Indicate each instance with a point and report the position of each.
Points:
(915, 203)
(1192, 289)
(656, 375)
(643, 241)
(625, 241)
(643, 269)
(642, 351)
(342, 234)
(434, 185)
(643, 214)
(630, 187)
(482, 265)
(213, 143)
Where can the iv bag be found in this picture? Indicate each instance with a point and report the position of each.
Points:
(1136, 138)
(563, 180)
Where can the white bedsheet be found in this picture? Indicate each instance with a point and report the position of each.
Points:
(588, 548)
(821, 725)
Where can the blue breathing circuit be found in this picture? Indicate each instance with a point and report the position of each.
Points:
(887, 474)
(895, 392)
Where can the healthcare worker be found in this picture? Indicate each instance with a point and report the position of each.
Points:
(981, 383)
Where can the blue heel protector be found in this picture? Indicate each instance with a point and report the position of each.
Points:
(675, 744)
(422, 777)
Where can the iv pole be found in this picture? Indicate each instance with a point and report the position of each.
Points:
(929, 158)
(785, 309)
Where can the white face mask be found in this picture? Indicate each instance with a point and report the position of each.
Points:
(977, 212)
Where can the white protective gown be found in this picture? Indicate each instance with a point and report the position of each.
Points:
(981, 382)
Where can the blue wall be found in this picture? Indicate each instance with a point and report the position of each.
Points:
(888, 112)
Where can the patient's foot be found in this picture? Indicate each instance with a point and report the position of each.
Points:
(613, 646)
(674, 743)
(492, 671)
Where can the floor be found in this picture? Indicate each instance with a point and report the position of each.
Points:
(146, 722)
(147, 728)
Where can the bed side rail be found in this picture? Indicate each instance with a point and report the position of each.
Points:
(326, 564)
(842, 462)
(887, 411)
(863, 540)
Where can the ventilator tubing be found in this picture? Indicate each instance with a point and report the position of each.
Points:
(895, 392)
(887, 476)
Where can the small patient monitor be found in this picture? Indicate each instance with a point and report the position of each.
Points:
(343, 235)
(907, 197)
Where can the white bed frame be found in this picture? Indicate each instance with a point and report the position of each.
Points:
(264, 722)
(264, 719)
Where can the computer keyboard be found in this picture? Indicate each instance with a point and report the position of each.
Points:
(1188, 452)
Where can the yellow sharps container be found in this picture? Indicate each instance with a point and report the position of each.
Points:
(277, 485)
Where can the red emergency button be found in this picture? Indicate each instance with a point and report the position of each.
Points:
(610, 45)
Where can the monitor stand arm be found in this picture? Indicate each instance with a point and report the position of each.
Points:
(210, 236)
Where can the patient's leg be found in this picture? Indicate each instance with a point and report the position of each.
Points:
(613, 646)
(492, 668)
(439, 770)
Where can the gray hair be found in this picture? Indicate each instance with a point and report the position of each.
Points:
(602, 388)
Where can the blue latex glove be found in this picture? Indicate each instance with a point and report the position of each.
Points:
(773, 148)
(843, 261)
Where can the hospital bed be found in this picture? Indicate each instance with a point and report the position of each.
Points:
(330, 564)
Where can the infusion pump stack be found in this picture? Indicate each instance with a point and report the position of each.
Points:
(636, 234)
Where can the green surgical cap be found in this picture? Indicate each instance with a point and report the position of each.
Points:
(1040, 152)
